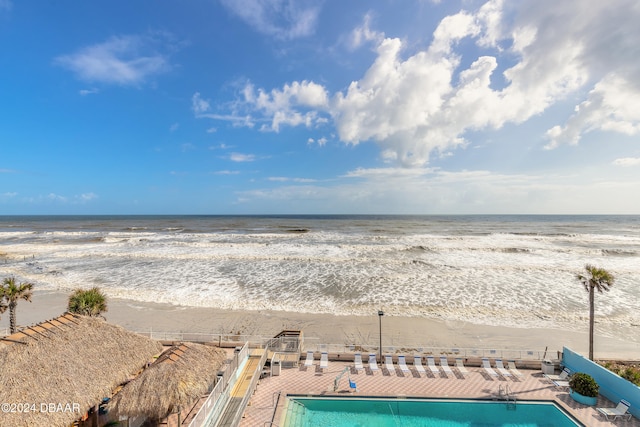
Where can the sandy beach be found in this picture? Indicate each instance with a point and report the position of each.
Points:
(329, 329)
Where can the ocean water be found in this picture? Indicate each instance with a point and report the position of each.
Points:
(496, 270)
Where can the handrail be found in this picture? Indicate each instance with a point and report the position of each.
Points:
(298, 403)
(249, 393)
(505, 393)
(278, 393)
(314, 343)
(219, 395)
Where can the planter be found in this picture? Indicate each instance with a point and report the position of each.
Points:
(585, 400)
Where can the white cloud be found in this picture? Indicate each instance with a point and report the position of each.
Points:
(56, 197)
(282, 19)
(287, 179)
(124, 60)
(295, 104)
(239, 157)
(417, 103)
(85, 92)
(364, 34)
(613, 105)
(422, 191)
(627, 161)
(9, 194)
(221, 146)
(85, 197)
(226, 172)
(320, 141)
(199, 105)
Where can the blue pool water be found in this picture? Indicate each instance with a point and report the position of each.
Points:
(376, 412)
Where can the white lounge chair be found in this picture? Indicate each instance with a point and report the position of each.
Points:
(373, 363)
(460, 367)
(487, 368)
(561, 377)
(622, 410)
(562, 384)
(500, 367)
(431, 364)
(309, 360)
(513, 369)
(324, 360)
(444, 364)
(417, 364)
(357, 362)
(388, 364)
(402, 363)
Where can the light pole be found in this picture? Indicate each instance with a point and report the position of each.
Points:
(380, 314)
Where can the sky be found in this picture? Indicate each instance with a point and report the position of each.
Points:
(319, 107)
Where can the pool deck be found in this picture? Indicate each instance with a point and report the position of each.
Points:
(477, 384)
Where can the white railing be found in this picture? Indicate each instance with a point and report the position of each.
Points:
(217, 400)
(311, 343)
(249, 393)
(520, 354)
(205, 337)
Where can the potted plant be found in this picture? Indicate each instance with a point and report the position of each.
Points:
(584, 389)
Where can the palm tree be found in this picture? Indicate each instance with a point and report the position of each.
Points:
(594, 278)
(13, 292)
(3, 306)
(88, 302)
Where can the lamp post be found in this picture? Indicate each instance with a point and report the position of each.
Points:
(380, 314)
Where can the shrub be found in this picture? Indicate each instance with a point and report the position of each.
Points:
(630, 372)
(584, 384)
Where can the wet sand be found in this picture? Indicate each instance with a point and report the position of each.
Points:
(329, 329)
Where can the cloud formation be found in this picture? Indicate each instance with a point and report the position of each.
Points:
(613, 105)
(282, 19)
(123, 60)
(295, 104)
(627, 161)
(239, 157)
(534, 55)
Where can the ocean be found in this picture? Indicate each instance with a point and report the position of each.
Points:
(512, 270)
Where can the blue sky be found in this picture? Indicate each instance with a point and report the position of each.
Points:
(278, 106)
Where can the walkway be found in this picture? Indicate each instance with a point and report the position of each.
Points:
(251, 369)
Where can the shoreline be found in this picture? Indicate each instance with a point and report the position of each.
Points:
(399, 332)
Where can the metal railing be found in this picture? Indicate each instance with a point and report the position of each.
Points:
(249, 393)
(253, 340)
(311, 343)
(217, 400)
(520, 354)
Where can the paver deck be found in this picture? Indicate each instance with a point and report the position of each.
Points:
(532, 386)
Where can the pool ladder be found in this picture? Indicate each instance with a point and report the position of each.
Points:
(504, 393)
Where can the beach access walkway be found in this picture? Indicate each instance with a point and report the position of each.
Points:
(242, 389)
(267, 403)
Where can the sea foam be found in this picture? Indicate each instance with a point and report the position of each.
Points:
(481, 272)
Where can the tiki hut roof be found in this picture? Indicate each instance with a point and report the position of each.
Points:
(176, 380)
(70, 360)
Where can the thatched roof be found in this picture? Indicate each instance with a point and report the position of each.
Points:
(68, 360)
(176, 380)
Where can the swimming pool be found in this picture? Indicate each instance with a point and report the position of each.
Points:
(393, 412)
